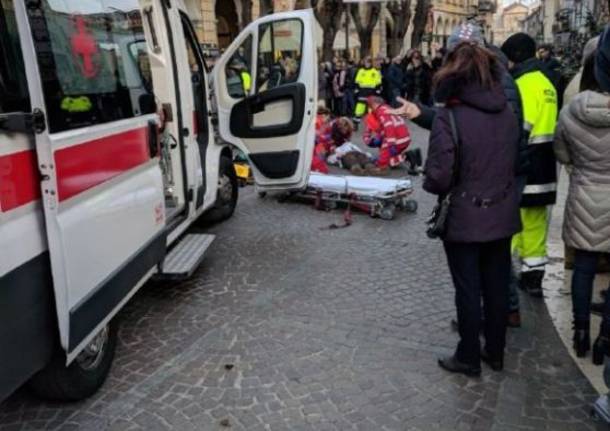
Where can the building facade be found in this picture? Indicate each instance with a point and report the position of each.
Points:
(218, 22)
(510, 20)
(534, 24)
(448, 14)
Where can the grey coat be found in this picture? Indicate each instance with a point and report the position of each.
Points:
(583, 144)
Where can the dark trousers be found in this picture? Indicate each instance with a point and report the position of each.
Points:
(480, 270)
(395, 93)
(339, 106)
(585, 268)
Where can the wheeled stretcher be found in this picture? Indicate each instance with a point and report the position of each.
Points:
(379, 197)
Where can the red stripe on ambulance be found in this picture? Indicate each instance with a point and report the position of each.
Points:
(84, 166)
(19, 180)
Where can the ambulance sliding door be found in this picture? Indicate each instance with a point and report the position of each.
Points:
(102, 189)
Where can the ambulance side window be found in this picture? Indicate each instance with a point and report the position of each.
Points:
(14, 96)
(280, 46)
(239, 71)
(93, 61)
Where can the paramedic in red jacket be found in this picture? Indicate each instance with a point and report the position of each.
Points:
(392, 136)
(329, 136)
(322, 148)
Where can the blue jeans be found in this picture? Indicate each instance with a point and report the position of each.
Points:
(585, 268)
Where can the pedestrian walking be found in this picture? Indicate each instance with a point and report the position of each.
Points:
(418, 80)
(339, 84)
(395, 78)
(553, 70)
(539, 99)
(437, 60)
(472, 157)
(350, 88)
(583, 144)
(323, 94)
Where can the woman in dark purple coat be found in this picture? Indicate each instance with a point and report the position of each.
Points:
(484, 211)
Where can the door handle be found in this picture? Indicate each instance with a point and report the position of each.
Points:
(153, 139)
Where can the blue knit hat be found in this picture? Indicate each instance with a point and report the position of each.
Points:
(602, 61)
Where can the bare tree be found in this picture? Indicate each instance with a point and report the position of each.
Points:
(401, 14)
(365, 17)
(303, 4)
(266, 7)
(422, 10)
(246, 13)
(328, 13)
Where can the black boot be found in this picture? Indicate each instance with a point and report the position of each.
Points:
(601, 349)
(582, 340)
(411, 158)
(496, 364)
(452, 365)
(532, 282)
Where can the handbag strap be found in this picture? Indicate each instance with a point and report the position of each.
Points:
(456, 144)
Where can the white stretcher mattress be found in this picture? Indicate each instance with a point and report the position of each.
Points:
(362, 186)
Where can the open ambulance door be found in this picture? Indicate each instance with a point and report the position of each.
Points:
(265, 87)
(97, 152)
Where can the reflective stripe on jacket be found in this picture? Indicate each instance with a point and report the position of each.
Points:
(539, 99)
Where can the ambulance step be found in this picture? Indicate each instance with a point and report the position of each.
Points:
(185, 257)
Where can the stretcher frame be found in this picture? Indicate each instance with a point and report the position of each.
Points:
(377, 204)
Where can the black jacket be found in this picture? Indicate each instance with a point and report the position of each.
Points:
(395, 76)
(418, 83)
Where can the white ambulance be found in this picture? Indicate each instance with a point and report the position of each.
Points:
(113, 143)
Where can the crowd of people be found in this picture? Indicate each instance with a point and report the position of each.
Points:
(497, 136)
(344, 85)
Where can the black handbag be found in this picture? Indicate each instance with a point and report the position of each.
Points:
(437, 222)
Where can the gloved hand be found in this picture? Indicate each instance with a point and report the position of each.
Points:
(375, 142)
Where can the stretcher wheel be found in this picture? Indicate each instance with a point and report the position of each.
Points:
(410, 206)
(387, 213)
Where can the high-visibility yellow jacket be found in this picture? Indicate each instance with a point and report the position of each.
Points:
(539, 99)
(246, 79)
(368, 78)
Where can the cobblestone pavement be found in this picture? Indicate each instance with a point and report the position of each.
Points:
(289, 326)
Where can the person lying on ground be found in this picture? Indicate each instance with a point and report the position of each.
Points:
(354, 159)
